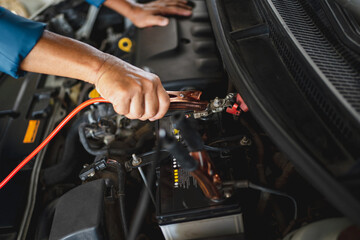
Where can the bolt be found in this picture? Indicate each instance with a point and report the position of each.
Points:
(245, 141)
(230, 96)
(227, 193)
(91, 174)
(217, 102)
(135, 160)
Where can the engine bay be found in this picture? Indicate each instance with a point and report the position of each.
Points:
(207, 170)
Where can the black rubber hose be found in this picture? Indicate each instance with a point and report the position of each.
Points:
(178, 151)
(121, 193)
(85, 143)
(190, 135)
(73, 151)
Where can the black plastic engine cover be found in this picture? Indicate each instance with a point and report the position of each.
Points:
(183, 54)
(79, 213)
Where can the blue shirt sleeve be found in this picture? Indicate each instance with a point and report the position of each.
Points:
(96, 3)
(18, 36)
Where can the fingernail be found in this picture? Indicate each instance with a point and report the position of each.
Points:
(152, 119)
(165, 22)
(187, 13)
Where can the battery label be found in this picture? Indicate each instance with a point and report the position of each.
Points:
(182, 178)
(31, 131)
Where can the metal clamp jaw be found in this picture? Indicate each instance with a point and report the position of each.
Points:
(187, 100)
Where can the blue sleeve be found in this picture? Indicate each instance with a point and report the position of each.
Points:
(18, 36)
(96, 3)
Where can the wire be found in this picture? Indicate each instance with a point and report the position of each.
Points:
(227, 139)
(144, 197)
(216, 149)
(51, 135)
(248, 184)
(275, 192)
(146, 185)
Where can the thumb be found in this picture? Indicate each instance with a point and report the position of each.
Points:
(158, 21)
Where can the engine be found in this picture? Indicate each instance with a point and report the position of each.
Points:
(207, 170)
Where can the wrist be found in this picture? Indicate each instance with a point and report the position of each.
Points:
(133, 10)
(124, 7)
(98, 68)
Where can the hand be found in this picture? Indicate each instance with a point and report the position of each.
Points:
(149, 14)
(133, 92)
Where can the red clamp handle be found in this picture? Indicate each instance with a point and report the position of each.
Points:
(239, 106)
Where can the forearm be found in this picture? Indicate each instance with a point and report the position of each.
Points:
(61, 56)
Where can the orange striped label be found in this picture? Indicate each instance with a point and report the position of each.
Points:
(31, 131)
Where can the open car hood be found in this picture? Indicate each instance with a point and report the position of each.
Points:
(300, 86)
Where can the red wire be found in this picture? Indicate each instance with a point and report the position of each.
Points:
(51, 135)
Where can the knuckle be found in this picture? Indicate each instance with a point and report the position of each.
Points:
(121, 107)
(120, 110)
(150, 85)
(137, 88)
(155, 78)
(138, 114)
(130, 116)
(149, 114)
(143, 118)
(152, 113)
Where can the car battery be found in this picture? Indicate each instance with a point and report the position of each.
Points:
(183, 212)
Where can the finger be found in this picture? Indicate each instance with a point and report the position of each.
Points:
(176, 1)
(151, 105)
(121, 105)
(120, 101)
(179, 4)
(175, 11)
(136, 107)
(157, 21)
(164, 103)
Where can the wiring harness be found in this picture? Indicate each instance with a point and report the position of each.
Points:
(51, 135)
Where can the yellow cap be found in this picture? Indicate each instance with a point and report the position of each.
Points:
(125, 44)
(94, 94)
